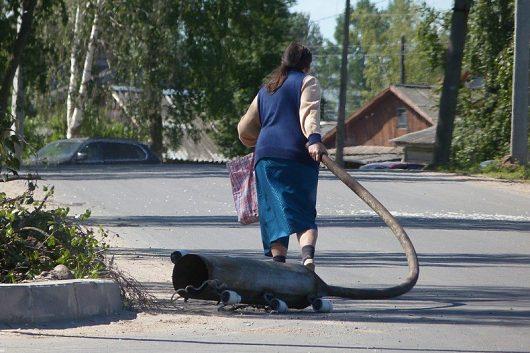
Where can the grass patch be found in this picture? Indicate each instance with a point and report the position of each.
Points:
(496, 169)
(506, 171)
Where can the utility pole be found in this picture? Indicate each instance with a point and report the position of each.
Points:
(402, 76)
(339, 136)
(519, 136)
(451, 84)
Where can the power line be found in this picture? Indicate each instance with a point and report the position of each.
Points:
(361, 46)
(359, 55)
(325, 18)
(379, 14)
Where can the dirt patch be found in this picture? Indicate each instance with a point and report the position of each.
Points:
(18, 187)
(516, 186)
(14, 188)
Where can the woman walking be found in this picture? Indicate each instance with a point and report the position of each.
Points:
(283, 124)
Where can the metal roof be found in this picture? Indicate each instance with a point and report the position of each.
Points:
(369, 154)
(326, 125)
(423, 137)
(421, 98)
(204, 149)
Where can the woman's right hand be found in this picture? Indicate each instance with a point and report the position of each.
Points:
(316, 151)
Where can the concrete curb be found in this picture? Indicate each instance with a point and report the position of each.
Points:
(63, 300)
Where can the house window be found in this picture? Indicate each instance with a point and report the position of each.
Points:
(402, 118)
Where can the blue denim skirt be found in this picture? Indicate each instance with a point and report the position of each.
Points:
(287, 196)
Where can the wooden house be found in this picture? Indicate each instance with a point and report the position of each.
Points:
(397, 111)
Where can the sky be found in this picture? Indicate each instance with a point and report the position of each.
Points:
(325, 12)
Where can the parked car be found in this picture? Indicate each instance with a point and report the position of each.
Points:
(392, 165)
(86, 151)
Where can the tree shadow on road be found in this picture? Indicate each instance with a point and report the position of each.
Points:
(358, 221)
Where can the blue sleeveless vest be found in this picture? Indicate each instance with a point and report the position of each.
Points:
(281, 135)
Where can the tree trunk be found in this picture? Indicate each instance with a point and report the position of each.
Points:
(157, 144)
(17, 102)
(77, 115)
(451, 84)
(79, 14)
(14, 60)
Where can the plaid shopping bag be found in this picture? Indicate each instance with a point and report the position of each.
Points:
(243, 181)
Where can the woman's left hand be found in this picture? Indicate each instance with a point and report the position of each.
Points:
(316, 151)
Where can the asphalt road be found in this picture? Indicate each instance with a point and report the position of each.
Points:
(472, 238)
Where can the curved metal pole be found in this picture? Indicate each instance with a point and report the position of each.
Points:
(392, 223)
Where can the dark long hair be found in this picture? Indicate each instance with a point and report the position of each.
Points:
(295, 56)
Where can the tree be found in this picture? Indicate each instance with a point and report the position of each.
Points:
(448, 99)
(433, 36)
(367, 29)
(482, 128)
(228, 63)
(17, 101)
(40, 74)
(143, 45)
(380, 33)
(202, 58)
(76, 105)
(7, 146)
(179, 60)
(326, 61)
(27, 6)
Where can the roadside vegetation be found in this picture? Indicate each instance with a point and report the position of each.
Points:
(35, 239)
(499, 170)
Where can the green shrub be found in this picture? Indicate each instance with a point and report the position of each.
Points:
(35, 239)
(500, 170)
